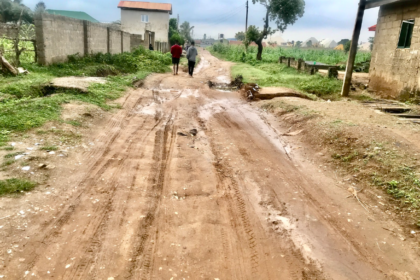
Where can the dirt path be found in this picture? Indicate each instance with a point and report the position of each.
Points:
(232, 202)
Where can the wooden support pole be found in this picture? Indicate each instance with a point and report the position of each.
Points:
(353, 48)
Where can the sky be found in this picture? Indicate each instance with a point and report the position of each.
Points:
(332, 19)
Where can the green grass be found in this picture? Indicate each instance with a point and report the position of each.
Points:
(270, 55)
(15, 185)
(279, 75)
(49, 148)
(25, 104)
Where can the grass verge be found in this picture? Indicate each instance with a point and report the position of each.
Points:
(24, 104)
(279, 75)
(15, 186)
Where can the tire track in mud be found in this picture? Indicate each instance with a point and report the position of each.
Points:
(139, 259)
(226, 177)
(94, 247)
(92, 178)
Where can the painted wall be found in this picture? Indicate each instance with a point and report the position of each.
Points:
(158, 23)
(394, 72)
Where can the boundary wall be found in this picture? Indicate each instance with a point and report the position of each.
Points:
(57, 37)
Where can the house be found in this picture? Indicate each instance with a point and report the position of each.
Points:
(72, 14)
(142, 17)
(396, 51)
(328, 43)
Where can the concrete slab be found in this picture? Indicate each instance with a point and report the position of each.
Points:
(78, 83)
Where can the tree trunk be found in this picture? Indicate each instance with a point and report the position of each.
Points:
(7, 67)
(260, 50)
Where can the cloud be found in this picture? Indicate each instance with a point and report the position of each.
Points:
(323, 18)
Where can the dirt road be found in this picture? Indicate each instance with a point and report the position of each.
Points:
(151, 201)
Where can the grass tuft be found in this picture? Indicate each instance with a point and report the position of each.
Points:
(15, 185)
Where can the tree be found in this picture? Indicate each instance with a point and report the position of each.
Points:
(176, 38)
(283, 13)
(240, 36)
(309, 44)
(40, 8)
(343, 42)
(347, 46)
(371, 41)
(173, 27)
(10, 11)
(298, 44)
(185, 31)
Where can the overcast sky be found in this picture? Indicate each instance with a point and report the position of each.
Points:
(333, 19)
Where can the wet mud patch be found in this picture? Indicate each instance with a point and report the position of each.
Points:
(222, 84)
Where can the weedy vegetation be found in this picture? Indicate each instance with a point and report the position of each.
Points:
(25, 102)
(15, 186)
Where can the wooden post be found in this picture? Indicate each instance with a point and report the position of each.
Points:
(353, 48)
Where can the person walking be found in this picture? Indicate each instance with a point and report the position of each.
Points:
(176, 52)
(191, 56)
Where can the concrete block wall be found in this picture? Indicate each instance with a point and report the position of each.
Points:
(8, 30)
(57, 37)
(136, 41)
(114, 43)
(126, 42)
(97, 38)
(393, 71)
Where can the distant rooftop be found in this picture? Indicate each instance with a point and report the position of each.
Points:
(72, 14)
(164, 7)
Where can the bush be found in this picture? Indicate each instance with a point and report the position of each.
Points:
(176, 38)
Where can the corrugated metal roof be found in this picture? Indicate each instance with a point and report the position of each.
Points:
(146, 6)
(72, 14)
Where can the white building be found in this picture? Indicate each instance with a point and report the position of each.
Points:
(139, 17)
(328, 43)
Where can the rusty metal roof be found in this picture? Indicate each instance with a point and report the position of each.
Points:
(146, 6)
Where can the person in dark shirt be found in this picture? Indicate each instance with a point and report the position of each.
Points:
(176, 52)
(151, 47)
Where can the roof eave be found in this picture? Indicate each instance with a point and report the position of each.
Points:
(151, 10)
(378, 3)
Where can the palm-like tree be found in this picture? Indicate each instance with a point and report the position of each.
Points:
(185, 30)
(40, 7)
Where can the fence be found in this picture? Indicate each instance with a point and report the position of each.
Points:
(309, 66)
(57, 37)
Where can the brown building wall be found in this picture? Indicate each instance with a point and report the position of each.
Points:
(393, 71)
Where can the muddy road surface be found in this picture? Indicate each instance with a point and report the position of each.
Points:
(232, 200)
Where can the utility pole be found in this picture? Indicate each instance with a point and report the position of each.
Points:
(246, 24)
(353, 49)
(177, 23)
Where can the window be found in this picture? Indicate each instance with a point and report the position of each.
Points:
(144, 18)
(406, 34)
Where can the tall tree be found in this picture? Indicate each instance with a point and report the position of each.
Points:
(282, 13)
(11, 11)
(185, 31)
(40, 8)
(173, 27)
(240, 36)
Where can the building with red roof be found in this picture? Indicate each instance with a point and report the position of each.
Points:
(137, 17)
